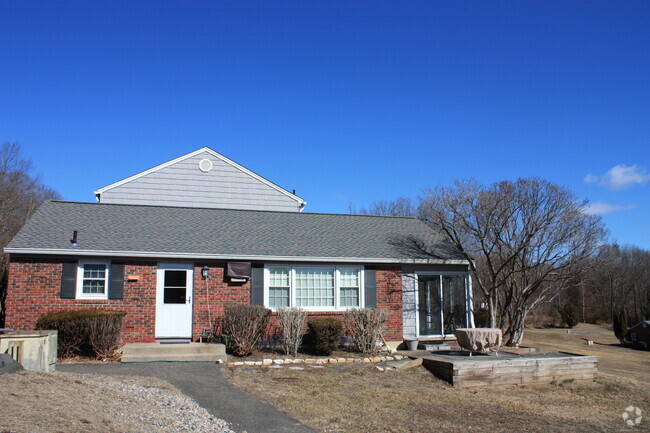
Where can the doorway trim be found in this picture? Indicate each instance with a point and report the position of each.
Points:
(182, 314)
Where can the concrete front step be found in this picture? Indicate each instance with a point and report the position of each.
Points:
(149, 352)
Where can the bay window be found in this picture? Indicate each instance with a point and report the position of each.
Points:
(313, 288)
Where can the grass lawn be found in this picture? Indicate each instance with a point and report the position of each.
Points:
(359, 398)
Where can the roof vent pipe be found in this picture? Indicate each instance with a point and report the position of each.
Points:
(73, 241)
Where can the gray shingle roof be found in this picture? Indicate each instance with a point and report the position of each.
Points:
(128, 230)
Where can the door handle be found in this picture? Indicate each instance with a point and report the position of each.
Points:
(189, 299)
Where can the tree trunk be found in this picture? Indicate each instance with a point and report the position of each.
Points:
(492, 310)
(516, 328)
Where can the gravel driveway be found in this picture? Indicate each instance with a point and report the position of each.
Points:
(204, 382)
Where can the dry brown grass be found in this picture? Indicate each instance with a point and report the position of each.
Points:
(612, 358)
(358, 398)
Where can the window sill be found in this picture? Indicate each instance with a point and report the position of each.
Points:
(92, 301)
(318, 310)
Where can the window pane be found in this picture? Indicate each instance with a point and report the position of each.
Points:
(279, 277)
(174, 295)
(175, 287)
(278, 297)
(314, 287)
(349, 277)
(349, 297)
(94, 286)
(94, 271)
(429, 304)
(453, 299)
(175, 278)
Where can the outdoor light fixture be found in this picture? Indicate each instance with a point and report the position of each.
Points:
(73, 241)
(204, 271)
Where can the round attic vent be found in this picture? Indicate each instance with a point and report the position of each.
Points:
(205, 165)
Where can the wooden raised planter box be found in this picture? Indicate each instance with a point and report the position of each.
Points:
(520, 370)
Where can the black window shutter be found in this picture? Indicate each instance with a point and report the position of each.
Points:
(370, 287)
(69, 280)
(116, 287)
(257, 285)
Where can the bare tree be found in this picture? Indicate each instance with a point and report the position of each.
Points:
(21, 192)
(401, 206)
(620, 280)
(524, 241)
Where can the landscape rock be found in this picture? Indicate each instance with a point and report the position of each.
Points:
(8, 364)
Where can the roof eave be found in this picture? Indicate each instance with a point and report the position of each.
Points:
(247, 257)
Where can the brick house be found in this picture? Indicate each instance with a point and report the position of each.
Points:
(175, 244)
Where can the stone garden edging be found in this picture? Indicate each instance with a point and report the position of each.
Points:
(315, 361)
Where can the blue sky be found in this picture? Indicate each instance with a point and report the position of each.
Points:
(343, 101)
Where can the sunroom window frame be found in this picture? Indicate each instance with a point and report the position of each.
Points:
(292, 286)
(80, 280)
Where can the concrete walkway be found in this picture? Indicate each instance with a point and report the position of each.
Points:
(204, 382)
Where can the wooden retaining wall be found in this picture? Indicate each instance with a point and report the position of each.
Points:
(518, 371)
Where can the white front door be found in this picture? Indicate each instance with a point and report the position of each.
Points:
(174, 300)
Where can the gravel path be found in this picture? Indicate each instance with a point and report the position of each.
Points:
(80, 403)
(173, 411)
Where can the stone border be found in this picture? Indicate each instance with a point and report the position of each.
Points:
(315, 361)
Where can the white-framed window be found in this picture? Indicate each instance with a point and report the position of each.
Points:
(313, 287)
(92, 280)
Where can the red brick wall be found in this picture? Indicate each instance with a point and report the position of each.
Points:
(389, 297)
(34, 290)
(212, 294)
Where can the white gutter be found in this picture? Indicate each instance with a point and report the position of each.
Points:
(167, 255)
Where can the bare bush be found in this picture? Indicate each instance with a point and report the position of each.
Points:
(95, 331)
(245, 324)
(292, 326)
(105, 335)
(366, 325)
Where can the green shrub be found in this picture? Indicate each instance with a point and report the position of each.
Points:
(96, 331)
(621, 325)
(324, 334)
(570, 315)
(245, 324)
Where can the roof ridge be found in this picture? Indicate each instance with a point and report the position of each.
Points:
(228, 209)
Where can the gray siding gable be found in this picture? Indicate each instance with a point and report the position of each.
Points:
(181, 182)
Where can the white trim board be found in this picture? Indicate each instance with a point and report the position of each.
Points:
(180, 255)
(232, 163)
